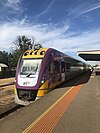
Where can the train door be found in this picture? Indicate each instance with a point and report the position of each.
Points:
(63, 71)
(54, 75)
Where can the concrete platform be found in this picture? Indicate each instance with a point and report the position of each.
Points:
(7, 81)
(65, 109)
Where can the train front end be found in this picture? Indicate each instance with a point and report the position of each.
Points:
(27, 76)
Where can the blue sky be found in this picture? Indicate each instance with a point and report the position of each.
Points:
(66, 25)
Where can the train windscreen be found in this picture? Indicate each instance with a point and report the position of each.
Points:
(30, 67)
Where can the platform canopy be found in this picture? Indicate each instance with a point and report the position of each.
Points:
(93, 55)
(3, 65)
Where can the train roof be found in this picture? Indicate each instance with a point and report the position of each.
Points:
(40, 53)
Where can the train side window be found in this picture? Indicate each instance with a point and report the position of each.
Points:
(57, 67)
(62, 67)
(52, 68)
(68, 67)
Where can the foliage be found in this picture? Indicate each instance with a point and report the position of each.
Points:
(4, 57)
(21, 44)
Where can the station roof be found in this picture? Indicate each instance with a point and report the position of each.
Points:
(3, 65)
(93, 55)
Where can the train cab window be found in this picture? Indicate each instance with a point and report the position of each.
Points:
(30, 67)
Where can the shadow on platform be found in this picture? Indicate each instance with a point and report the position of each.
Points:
(80, 79)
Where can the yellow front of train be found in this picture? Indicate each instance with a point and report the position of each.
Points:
(27, 73)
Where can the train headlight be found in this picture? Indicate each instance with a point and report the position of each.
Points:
(42, 81)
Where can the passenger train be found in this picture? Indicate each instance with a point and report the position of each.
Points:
(42, 69)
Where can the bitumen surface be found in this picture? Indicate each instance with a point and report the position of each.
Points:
(70, 108)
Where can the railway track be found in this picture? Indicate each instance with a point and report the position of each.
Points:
(6, 85)
(12, 108)
(7, 104)
(6, 81)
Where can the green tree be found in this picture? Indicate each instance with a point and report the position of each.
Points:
(10, 61)
(21, 44)
(4, 57)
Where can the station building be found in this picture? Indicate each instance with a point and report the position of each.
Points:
(3, 67)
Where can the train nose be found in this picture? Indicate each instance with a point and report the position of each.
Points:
(27, 95)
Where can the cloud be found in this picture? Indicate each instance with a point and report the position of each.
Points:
(49, 35)
(45, 10)
(83, 8)
(13, 4)
(89, 9)
(41, 32)
(85, 41)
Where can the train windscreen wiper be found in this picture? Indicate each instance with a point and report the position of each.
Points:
(30, 74)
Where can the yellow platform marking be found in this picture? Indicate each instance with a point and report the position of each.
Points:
(48, 110)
